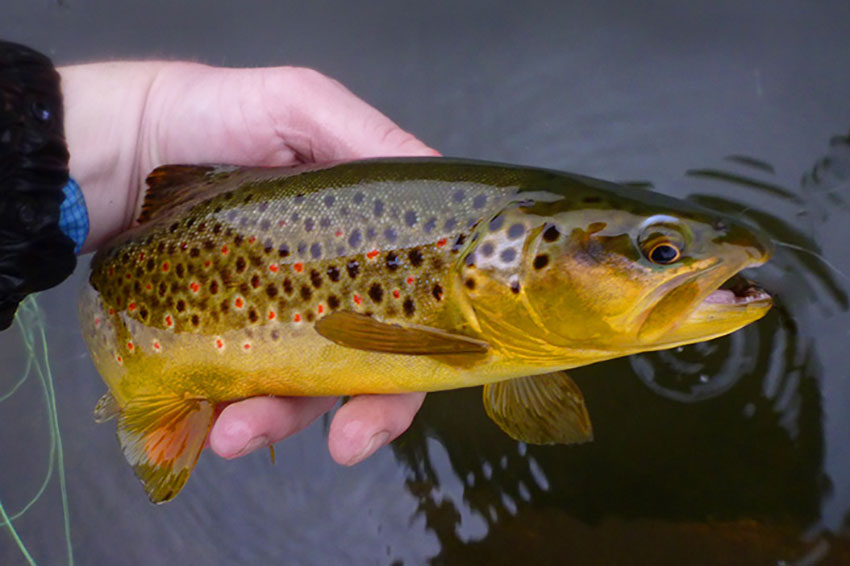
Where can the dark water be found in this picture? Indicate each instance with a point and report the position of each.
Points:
(731, 452)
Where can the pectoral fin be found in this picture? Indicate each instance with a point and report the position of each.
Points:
(362, 332)
(107, 408)
(162, 437)
(539, 409)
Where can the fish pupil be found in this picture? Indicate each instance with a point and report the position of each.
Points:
(664, 254)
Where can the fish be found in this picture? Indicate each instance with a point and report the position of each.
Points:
(395, 275)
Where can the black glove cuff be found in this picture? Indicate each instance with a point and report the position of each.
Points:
(34, 253)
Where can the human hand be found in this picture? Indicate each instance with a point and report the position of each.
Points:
(124, 119)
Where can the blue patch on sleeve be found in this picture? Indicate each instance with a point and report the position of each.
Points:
(73, 216)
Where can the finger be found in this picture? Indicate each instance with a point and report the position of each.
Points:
(247, 425)
(321, 120)
(368, 422)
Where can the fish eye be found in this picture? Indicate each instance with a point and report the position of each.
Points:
(664, 253)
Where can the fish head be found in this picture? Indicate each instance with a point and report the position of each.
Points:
(596, 271)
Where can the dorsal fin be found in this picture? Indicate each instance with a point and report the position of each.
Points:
(170, 185)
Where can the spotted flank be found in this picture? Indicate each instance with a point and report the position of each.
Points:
(393, 275)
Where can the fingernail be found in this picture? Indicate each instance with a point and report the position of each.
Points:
(378, 439)
(253, 444)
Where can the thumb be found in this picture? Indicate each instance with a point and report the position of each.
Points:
(321, 120)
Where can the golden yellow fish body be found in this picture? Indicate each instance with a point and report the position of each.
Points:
(394, 275)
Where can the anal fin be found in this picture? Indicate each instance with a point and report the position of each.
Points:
(162, 437)
(539, 409)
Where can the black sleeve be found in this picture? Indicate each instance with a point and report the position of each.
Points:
(34, 253)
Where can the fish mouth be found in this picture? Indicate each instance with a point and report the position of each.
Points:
(737, 291)
(721, 308)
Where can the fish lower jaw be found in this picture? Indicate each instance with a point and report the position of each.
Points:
(738, 291)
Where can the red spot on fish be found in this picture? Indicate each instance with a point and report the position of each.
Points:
(165, 266)
(357, 299)
(252, 239)
(238, 303)
(111, 311)
(183, 245)
(195, 286)
(207, 263)
(338, 233)
(131, 307)
(282, 223)
(320, 309)
(130, 346)
(156, 346)
(247, 346)
(441, 242)
(299, 267)
(273, 268)
(224, 250)
(141, 256)
(297, 317)
(111, 271)
(396, 294)
(148, 286)
(272, 315)
(127, 276)
(219, 343)
(169, 322)
(410, 280)
(119, 359)
(372, 254)
(96, 322)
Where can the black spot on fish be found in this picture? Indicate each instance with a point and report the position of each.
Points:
(310, 316)
(416, 258)
(458, 195)
(202, 226)
(551, 233)
(253, 316)
(591, 200)
(245, 289)
(437, 291)
(316, 250)
(287, 286)
(264, 206)
(358, 198)
(324, 222)
(487, 249)
(137, 286)
(213, 287)
(306, 292)
(143, 313)
(376, 292)
(508, 255)
(209, 245)
(181, 305)
(409, 307)
(458, 244)
(410, 218)
(160, 248)
(371, 232)
(430, 225)
(241, 264)
(450, 224)
(301, 248)
(231, 215)
(379, 208)
(470, 283)
(268, 246)
(225, 305)
(469, 260)
(391, 235)
(437, 263)
(163, 288)
(333, 273)
(295, 216)
(333, 302)
(150, 265)
(309, 224)
(283, 250)
(274, 334)
(271, 290)
(329, 201)
(194, 252)
(174, 227)
(541, 261)
(354, 238)
(265, 224)
(255, 281)
(179, 270)
(515, 231)
(515, 286)
(238, 239)
(353, 268)
(479, 201)
(496, 223)
(196, 320)
(393, 262)
(315, 278)
(172, 247)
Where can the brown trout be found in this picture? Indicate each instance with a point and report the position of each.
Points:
(395, 275)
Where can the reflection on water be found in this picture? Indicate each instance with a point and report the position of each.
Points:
(711, 453)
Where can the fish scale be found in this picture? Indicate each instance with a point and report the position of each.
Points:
(389, 276)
